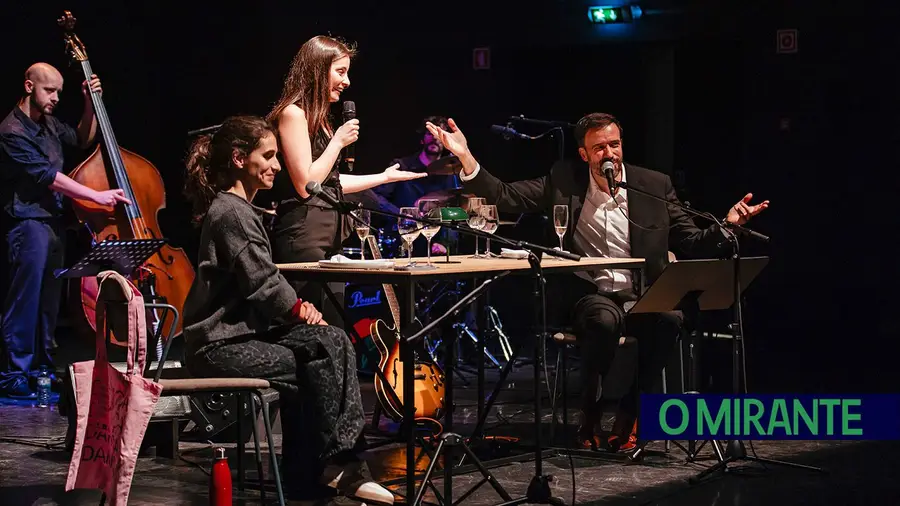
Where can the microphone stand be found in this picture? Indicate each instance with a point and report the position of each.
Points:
(735, 449)
(539, 488)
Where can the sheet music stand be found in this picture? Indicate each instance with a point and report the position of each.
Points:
(122, 256)
(710, 281)
(708, 285)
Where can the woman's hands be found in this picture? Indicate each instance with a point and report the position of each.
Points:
(347, 134)
(308, 313)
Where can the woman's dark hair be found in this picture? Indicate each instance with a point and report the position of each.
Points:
(592, 121)
(308, 81)
(210, 163)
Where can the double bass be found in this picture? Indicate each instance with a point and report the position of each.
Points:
(165, 277)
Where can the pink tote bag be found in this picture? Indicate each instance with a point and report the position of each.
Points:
(113, 408)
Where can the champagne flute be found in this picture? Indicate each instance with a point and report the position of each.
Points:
(476, 221)
(362, 221)
(408, 228)
(561, 222)
(491, 223)
(430, 209)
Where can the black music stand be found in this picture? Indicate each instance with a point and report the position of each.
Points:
(707, 285)
(710, 282)
(122, 256)
(710, 285)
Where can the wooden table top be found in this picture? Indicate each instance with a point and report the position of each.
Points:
(461, 266)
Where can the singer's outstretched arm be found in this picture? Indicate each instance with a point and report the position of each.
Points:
(296, 146)
(518, 197)
(352, 183)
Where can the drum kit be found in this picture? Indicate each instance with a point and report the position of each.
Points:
(439, 294)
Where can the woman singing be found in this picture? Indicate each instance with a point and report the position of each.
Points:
(243, 319)
(307, 228)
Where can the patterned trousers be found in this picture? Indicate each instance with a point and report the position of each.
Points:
(314, 369)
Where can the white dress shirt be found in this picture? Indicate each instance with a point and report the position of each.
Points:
(601, 231)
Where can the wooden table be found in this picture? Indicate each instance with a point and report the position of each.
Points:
(460, 267)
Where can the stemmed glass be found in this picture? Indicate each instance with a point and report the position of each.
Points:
(491, 223)
(561, 222)
(362, 222)
(476, 220)
(431, 210)
(408, 228)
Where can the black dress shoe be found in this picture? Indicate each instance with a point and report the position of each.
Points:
(19, 389)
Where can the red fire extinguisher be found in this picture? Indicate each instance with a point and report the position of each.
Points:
(220, 481)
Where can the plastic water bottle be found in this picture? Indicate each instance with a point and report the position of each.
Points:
(43, 387)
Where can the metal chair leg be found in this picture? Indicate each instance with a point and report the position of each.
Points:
(259, 465)
(240, 441)
(271, 442)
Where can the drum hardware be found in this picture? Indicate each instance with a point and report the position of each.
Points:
(496, 326)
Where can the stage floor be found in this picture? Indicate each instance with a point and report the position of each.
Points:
(33, 469)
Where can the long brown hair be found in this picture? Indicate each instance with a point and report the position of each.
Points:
(210, 163)
(308, 81)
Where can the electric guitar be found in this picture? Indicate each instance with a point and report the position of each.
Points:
(428, 381)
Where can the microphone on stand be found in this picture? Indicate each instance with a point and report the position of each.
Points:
(509, 132)
(315, 188)
(349, 151)
(609, 170)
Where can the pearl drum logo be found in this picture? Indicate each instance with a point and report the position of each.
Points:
(359, 299)
(363, 305)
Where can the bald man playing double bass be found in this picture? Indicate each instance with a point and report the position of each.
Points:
(32, 187)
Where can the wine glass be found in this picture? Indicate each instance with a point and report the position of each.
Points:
(362, 221)
(561, 222)
(491, 223)
(408, 228)
(430, 209)
(476, 221)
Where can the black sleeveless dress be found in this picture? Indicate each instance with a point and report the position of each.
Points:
(308, 230)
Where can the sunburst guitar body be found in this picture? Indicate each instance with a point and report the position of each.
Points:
(428, 378)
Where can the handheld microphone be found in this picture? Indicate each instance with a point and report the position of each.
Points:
(609, 170)
(315, 188)
(508, 132)
(349, 151)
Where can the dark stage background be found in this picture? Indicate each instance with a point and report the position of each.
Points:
(699, 87)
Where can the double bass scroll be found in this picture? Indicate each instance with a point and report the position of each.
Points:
(165, 277)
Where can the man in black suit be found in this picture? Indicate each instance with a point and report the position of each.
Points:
(619, 225)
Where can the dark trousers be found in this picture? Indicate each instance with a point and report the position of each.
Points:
(314, 369)
(31, 301)
(306, 233)
(599, 320)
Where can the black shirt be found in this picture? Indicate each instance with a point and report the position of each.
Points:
(31, 154)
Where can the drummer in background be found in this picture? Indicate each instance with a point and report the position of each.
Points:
(392, 196)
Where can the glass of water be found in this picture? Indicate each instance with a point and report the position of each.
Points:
(408, 228)
(491, 223)
(362, 222)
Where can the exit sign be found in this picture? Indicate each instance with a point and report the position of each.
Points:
(611, 15)
(481, 58)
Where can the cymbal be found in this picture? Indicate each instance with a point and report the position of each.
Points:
(446, 166)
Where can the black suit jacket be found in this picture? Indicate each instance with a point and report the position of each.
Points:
(660, 227)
